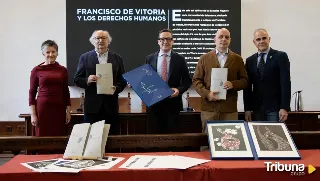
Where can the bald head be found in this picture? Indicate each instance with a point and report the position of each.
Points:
(223, 30)
(222, 39)
(260, 30)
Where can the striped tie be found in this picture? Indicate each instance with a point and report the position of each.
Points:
(164, 73)
(261, 64)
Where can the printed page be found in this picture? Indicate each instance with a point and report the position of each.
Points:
(105, 78)
(104, 138)
(77, 140)
(93, 146)
(73, 166)
(38, 165)
(108, 164)
(218, 78)
(148, 161)
(182, 162)
(155, 161)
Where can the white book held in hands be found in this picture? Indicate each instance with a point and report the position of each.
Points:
(218, 78)
(105, 78)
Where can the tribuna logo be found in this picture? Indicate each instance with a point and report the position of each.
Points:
(295, 169)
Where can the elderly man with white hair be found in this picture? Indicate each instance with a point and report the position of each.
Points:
(100, 106)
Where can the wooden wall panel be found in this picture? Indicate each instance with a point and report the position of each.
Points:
(12, 128)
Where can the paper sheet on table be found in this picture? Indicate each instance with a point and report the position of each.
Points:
(169, 161)
(112, 161)
(73, 166)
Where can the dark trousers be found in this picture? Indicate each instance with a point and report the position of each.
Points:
(262, 115)
(110, 118)
(162, 121)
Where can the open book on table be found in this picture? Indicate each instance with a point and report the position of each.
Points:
(87, 141)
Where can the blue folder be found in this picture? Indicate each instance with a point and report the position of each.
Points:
(148, 85)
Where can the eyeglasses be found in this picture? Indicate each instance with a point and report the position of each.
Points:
(163, 39)
(100, 38)
(263, 38)
(226, 37)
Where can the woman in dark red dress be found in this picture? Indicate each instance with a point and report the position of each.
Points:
(50, 109)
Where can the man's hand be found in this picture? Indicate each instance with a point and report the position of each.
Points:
(113, 90)
(212, 96)
(248, 116)
(92, 78)
(228, 85)
(176, 92)
(283, 115)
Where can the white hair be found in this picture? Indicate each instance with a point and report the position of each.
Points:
(91, 39)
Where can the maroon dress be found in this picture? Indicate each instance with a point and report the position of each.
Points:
(51, 83)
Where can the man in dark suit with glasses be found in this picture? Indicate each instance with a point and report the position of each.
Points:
(163, 117)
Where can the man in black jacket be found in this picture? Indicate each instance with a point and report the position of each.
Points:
(163, 117)
(269, 85)
(100, 106)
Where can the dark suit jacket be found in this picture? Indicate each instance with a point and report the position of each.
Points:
(178, 77)
(273, 89)
(86, 67)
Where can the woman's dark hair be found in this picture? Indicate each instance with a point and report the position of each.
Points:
(49, 43)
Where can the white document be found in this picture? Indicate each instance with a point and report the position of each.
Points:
(73, 166)
(97, 140)
(168, 161)
(145, 162)
(105, 135)
(38, 165)
(105, 78)
(77, 140)
(218, 78)
(87, 141)
(183, 162)
(56, 168)
(110, 162)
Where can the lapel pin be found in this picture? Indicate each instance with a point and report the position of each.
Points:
(270, 56)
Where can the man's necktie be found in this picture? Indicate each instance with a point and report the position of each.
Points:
(261, 64)
(164, 73)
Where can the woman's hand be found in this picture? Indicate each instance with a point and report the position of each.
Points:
(34, 120)
(68, 117)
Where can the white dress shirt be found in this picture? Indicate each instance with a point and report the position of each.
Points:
(222, 57)
(103, 58)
